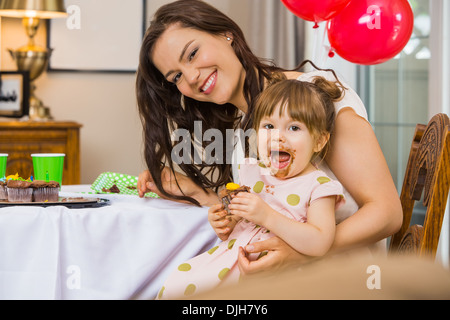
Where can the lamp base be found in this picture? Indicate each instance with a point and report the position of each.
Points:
(33, 59)
(39, 112)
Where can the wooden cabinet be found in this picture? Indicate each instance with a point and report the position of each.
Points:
(21, 139)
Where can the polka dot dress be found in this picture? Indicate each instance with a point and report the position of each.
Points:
(218, 266)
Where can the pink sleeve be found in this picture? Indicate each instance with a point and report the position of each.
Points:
(330, 188)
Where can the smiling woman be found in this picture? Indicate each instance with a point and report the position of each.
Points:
(196, 67)
(201, 68)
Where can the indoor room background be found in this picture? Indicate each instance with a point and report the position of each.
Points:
(398, 94)
(104, 103)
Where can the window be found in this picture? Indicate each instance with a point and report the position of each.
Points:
(396, 97)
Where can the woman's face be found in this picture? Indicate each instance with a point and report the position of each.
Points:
(204, 67)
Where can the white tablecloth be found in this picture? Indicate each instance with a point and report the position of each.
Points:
(111, 252)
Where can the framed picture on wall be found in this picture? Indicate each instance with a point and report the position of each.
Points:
(97, 36)
(14, 93)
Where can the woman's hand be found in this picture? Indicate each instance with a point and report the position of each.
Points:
(176, 184)
(279, 256)
(222, 223)
(145, 183)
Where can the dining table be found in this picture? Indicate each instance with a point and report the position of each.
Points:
(94, 246)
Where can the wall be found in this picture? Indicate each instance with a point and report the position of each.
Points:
(103, 103)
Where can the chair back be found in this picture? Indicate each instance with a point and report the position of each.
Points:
(428, 175)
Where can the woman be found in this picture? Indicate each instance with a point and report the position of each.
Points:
(196, 66)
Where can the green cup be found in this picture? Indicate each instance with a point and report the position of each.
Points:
(3, 159)
(48, 166)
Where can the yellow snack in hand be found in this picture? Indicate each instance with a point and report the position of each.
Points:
(232, 186)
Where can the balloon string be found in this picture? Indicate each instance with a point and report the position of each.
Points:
(320, 51)
(316, 51)
(325, 49)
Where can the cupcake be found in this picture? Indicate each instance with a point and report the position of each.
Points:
(3, 190)
(231, 189)
(19, 190)
(45, 191)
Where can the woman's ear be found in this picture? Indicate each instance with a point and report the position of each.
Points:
(321, 142)
(229, 37)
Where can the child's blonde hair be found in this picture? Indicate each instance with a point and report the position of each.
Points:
(311, 103)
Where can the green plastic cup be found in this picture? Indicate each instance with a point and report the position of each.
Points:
(3, 160)
(48, 166)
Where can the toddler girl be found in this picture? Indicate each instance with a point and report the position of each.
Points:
(289, 197)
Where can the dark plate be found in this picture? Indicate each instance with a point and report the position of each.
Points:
(73, 203)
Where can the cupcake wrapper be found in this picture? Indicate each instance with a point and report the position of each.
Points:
(226, 202)
(20, 195)
(3, 193)
(46, 194)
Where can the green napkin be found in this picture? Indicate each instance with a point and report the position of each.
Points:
(125, 183)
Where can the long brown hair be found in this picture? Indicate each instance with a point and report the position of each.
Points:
(160, 102)
(162, 108)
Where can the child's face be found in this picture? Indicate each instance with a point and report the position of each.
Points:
(285, 145)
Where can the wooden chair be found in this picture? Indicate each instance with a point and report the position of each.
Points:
(427, 171)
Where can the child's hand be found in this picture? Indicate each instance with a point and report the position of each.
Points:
(221, 222)
(251, 207)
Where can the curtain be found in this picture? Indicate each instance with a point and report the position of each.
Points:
(271, 30)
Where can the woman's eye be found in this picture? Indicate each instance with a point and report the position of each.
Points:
(192, 55)
(176, 77)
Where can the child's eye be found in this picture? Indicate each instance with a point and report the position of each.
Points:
(267, 126)
(294, 128)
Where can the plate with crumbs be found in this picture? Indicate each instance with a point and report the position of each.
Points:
(69, 202)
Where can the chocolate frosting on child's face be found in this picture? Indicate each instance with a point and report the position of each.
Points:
(281, 161)
(285, 145)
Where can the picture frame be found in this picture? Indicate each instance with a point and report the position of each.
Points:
(80, 43)
(14, 94)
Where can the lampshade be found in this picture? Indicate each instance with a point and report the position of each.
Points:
(44, 9)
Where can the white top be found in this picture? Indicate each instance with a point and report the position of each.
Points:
(350, 99)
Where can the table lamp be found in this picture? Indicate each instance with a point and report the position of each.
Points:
(31, 57)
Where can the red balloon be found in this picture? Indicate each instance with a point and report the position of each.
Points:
(315, 10)
(371, 31)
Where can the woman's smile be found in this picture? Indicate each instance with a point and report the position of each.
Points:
(209, 84)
